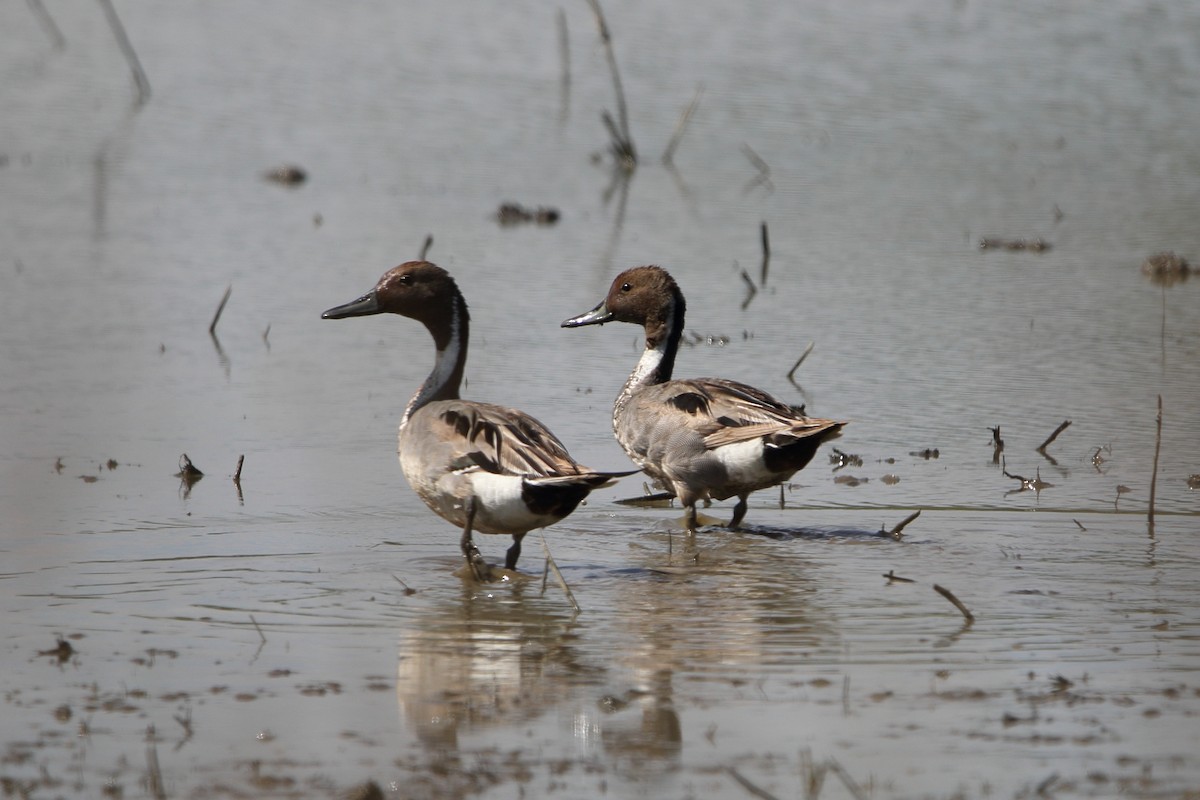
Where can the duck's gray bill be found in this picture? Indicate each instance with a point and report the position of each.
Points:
(597, 316)
(363, 306)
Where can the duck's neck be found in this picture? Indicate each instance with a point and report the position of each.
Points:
(450, 334)
(662, 342)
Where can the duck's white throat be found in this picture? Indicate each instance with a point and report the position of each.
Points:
(445, 369)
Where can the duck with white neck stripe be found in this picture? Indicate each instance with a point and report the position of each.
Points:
(482, 467)
(700, 438)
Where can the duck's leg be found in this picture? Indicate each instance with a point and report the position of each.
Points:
(739, 512)
(514, 552)
(689, 519)
(470, 552)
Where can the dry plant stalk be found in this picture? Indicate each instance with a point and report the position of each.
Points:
(551, 566)
(139, 74)
(1066, 424)
(212, 328)
(1154, 474)
(946, 593)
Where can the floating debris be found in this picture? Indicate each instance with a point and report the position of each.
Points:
(287, 175)
(850, 480)
(61, 651)
(1193, 481)
(926, 454)
(1032, 245)
(842, 459)
(1036, 484)
(1166, 268)
(890, 479)
(515, 214)
(894, 578)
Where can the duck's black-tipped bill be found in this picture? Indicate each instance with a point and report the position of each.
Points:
(364, 306)
(597, 316)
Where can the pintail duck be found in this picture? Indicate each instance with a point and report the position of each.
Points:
(704, 437)
(480, 466)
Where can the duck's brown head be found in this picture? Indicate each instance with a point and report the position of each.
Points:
(646, 296)
(417, 289)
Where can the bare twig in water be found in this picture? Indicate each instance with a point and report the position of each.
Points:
(894, 578)
(997, 445)
(1077, 522)
(622, 142)
(237, 475)
(408, 590)
(812, 774)
(1036, 484)
(1066, 424)
(800, 360)
(153, 772)
(48, 25)
(896, 532)
(267, 336)
(261, 635)
(139, 75)
(764, 171)
(564, 58)
(188, 470)
(766, 248)
(425, 247)
(1154, 474)
(946, 593)
(748, 786)
(847, 781)
(751, 289)
(559, 576)
(212, 328)
(1044, 788)
(668, 156)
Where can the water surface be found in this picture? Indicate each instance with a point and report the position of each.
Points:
(260, 642)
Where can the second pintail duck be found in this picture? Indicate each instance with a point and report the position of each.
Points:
(701, 437)
(482, 467)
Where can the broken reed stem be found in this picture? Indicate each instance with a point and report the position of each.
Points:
(154, 773)
(847, 781)
(766, 248)
(57, 40)
(668, 155)
(1066, 424)
(800, 360)
(895, 532)
(946, 593)
(564, 50)
(237, 475)
(425, 247)
(1154, 474)
(756, 160)
(212, 328)
(623, 140)
(748, 786)
(139, 75)
(553, 567)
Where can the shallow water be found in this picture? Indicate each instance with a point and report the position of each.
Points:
(260, 642)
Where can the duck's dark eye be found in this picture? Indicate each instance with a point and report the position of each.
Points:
(625, 287)
(405, 279)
